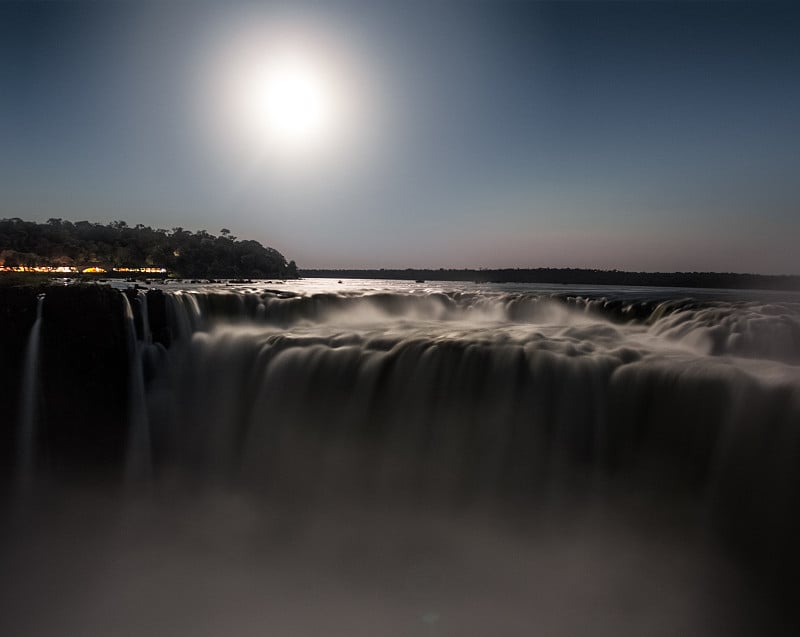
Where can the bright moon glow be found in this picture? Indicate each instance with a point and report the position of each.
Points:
(285, 97)
(288, 102)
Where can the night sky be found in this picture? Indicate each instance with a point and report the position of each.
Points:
(644, 136)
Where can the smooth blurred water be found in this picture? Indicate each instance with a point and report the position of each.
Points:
(398, 458)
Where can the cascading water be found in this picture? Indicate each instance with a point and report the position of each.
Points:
(470, 461)
(139, 453)
(30, 396)
(462, 373)
(469, 394)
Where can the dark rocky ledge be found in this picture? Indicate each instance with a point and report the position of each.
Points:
(84, 366)
(17, 315)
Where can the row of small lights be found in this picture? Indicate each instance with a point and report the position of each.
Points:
(71, 270)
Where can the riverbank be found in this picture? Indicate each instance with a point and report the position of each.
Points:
(573, 276)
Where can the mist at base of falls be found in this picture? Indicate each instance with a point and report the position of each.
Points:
(90, 564)
(368, 460)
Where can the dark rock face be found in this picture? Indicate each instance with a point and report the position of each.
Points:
(17, 315)
(157, 316)
(85, 364)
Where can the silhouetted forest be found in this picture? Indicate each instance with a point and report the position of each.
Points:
(577, 276)
(184, 253)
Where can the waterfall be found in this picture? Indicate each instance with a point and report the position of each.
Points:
(141, 299)
(502, 410)
(637, 449)
(30, 402)
(139, 463)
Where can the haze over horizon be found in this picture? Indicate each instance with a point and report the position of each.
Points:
(658, 136)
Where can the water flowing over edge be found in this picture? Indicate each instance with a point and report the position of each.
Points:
(449, 398)
(485, 384)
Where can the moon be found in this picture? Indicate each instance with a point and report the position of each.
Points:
(289, 101)
(285, 97)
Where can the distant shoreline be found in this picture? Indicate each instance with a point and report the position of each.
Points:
(574, 276)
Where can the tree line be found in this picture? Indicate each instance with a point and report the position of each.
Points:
(576, 276)
(182, 252)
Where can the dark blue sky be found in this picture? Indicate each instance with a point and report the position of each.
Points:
(648, 135)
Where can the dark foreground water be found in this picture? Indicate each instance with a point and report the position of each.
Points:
(387, 458)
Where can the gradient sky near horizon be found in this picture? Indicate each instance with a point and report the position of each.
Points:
(639, 136)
